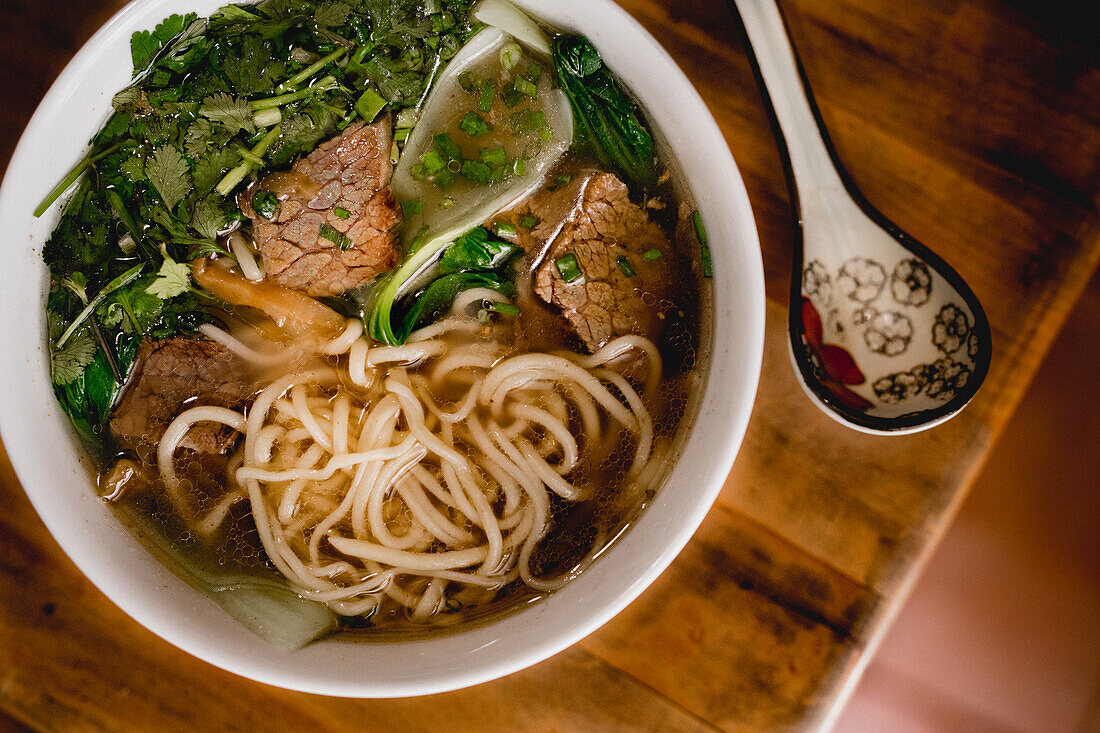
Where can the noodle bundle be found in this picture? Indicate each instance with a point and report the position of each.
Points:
(422, 477)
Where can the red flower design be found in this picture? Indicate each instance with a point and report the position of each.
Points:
(838, 368)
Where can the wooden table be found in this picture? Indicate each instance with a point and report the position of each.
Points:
(975, 124)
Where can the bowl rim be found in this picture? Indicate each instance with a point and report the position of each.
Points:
(163, 603)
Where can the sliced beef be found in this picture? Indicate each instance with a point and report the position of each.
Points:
(607, 301)
(174, 374)
(351, 174)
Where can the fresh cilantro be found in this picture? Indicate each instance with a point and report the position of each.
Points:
(251, 68)
(168, 172)
(133, 168)
(173, 278)
(132, 309)
(209, 218)
(130, 99)
(198, 138)
(233, 112)
(68, 362)
(209, 169)
(331, 14)
(144, 45)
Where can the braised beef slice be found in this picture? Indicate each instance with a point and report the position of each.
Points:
(349, 174)
(172, 375)
(608, 235)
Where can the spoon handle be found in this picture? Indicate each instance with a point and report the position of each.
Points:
(811, 165)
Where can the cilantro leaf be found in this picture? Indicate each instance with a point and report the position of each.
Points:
(133, 168)
(131, 309)
(209, 217)
(168, 172)
(144, 45)
(173, 278)
(198, 138)
(233, 112)
(331, 14)
(251, 68)
(209, 169)
(68, 362)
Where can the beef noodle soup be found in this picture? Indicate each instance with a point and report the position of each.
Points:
(381, 315)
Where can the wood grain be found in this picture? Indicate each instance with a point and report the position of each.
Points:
(974, 124)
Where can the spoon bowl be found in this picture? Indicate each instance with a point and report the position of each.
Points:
(885, 336)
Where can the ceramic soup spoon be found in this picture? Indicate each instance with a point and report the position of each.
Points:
(884, 336)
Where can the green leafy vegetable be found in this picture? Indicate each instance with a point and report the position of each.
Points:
(173, 279)
(652, 254)
(169, 174)
(603, 112)
(68, 362)
(233, 112)
(474, 259)
(144, 45)
(476, 250)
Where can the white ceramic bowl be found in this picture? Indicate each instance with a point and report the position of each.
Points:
(47, 457)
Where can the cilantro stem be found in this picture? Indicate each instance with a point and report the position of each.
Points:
(71, 177)
(301, 76)
(120, 281)
(322, 84)
(107, 352)
(235, 176)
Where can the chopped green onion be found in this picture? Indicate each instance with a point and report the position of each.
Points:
(477, 171)
(528, 121)
(483, 316)
(265, 204)
(447, 203)
(527, 221)
(446, 177)
(526, 88)
(488, 93)
(412, 207)
(267, 117)
(701, 233)
(568, 267)
(341, 212)
(494, 156)
(625, 267)
(336, 237)
(652, 254)
(448, 148)
(510, 56)
(505, 230)
(562, 180)
(510, 96)
(370, 104)
(401, 134)
(406, 118)
(507, 309)
(474, 125)
(469, 82)
(433, 162)
(519, 166)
